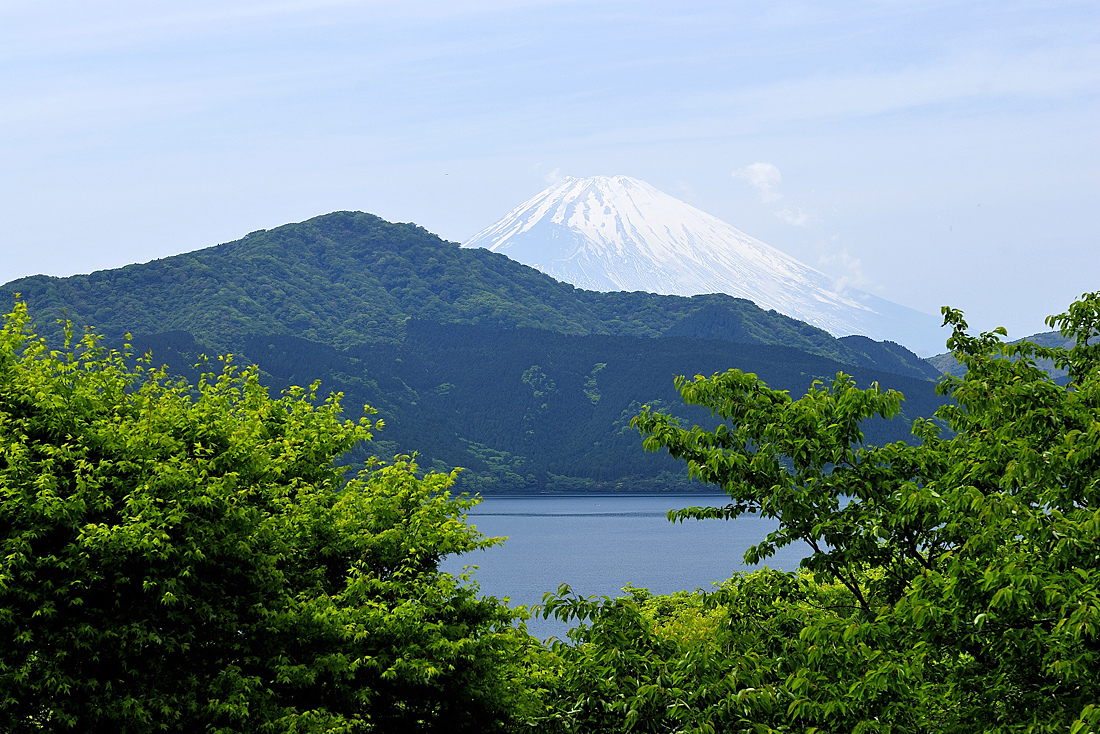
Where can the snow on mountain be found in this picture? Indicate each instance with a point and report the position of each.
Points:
(611, 233)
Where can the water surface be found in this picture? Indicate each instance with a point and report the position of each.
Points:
(600, 543)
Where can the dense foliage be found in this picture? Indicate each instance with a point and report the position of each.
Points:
(189, 558)
(350, 278)
(952, 586)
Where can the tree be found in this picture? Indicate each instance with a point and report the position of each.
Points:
(190, 558)
(950, 586)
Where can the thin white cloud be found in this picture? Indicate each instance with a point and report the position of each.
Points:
(852, 268)
(554, 176)
(977, 77)
(128, 22)
(796, 219)
(763, 176)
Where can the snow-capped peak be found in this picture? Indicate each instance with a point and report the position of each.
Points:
(610, 233)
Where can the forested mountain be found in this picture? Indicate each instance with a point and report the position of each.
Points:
(350, 278)
(471, 359)
(527, 410)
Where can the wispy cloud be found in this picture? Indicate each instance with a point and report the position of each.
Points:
(766, 178)
(797, 218)
(852, 266)
(763, 176)
(973, 78)
(554, 176)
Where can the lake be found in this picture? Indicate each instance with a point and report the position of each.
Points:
(600, 543)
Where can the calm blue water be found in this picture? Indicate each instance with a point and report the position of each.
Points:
(599, 544)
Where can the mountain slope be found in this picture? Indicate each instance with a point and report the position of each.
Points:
(350, 278)
(526, 410)
(612, 233)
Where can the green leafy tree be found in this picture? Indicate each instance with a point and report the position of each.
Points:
(950, 586)
(190, 558)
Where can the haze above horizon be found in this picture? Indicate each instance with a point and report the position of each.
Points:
(930, 153)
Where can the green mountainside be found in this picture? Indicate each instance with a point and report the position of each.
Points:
(526, 410)
(471, 359)
(350, 278)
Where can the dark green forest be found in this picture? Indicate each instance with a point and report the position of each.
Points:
(529, 410)
(472, 359)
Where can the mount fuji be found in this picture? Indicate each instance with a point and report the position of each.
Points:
(616, 233)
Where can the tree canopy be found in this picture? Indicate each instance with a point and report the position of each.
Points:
(189, 558)
(950, 586)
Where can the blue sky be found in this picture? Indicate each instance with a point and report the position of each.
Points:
(929, 152)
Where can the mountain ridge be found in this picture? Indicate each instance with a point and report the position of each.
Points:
(948, 365)
(472, 359)
(348, 278)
